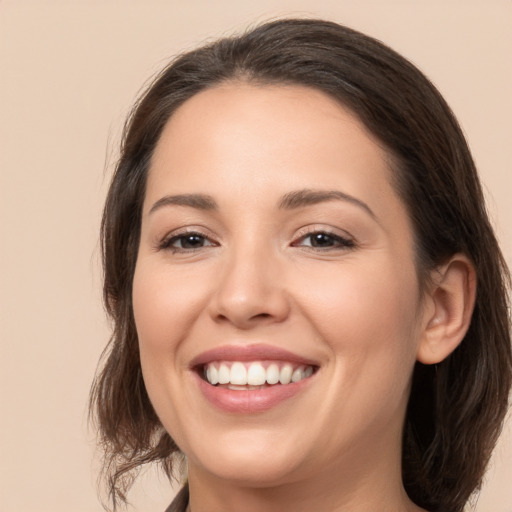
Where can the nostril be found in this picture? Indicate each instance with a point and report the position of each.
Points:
(259, 316)
(262, 315)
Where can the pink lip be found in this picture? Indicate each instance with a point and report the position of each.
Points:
(249, 402)
(254, 401)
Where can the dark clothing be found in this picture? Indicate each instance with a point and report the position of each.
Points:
(180, 502)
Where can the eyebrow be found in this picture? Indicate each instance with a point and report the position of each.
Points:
(199, 201)
(290, 201)
(307, 197)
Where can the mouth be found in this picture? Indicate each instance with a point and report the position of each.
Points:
(250, 379)
(254, 375)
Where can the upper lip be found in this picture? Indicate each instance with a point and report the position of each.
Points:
(257, 352)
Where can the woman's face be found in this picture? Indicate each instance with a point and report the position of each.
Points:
(273, 245)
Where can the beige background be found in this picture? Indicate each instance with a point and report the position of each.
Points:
(69, 71)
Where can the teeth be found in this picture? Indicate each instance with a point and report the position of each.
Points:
(285, 376)
(299, 374)
(238, 375)
(224, 374)
(256, 375)
(273, 374)
(212, 374)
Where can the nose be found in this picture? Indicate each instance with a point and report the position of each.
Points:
(251, 290)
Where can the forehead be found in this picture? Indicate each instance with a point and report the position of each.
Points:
(249, 138)
(235, 112)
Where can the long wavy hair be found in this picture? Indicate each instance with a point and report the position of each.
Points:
(455, 410)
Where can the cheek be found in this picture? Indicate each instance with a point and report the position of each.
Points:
(165, 304)
(360, 299)
(368, 316)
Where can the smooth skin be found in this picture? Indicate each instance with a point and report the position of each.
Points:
(227, 258)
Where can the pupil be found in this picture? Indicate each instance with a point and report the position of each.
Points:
(191, 241)
(321, 239)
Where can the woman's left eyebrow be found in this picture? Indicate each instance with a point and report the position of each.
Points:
(307, 197)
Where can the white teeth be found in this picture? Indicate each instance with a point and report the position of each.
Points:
(285, 376)
(224, 374)
(298, 374)
(212, 374)
(273, 374)
(256, 375)
(238, 375)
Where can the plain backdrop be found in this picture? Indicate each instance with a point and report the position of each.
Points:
(69, 73)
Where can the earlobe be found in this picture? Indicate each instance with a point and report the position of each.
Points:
(452, 299)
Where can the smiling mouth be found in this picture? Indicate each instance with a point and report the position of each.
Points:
(254, 375)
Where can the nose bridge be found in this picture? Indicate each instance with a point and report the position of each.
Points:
(251, 285)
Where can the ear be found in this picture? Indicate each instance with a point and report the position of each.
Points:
(451, 300)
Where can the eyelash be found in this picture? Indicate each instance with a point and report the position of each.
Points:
(339, 242)
(167, 243)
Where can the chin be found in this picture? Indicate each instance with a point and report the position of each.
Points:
(249, 466)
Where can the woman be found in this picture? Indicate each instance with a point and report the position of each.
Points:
(309, 302)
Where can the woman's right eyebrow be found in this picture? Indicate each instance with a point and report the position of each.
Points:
(199, 201)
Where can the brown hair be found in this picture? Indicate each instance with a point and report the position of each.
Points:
(456, 409)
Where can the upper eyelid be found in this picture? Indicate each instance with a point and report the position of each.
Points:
(189, 230)
(344, 241)
(189, 233)
(328, 230)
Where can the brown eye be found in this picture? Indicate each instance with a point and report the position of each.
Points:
(323, 240)
(191, 241)
(186, 242)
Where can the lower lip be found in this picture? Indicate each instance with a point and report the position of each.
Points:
(253, 401)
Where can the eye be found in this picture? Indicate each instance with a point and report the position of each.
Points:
(324, 240)
(186, 242)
